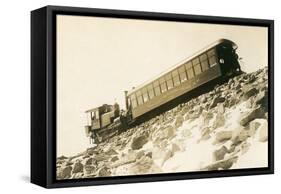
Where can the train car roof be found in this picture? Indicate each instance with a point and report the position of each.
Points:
(219, 41)
(96, 108)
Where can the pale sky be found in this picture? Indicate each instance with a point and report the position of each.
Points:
(98, 58)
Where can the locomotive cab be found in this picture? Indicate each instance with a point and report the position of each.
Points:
(100, 117)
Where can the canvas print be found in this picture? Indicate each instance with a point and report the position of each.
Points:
(138, 97)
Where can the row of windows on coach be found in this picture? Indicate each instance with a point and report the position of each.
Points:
(173, 79)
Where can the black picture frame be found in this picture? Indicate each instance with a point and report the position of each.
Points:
(43, 95)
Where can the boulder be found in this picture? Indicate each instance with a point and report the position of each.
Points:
(207, 116)
(101, 157)
(91, 161)
(263, 131)
(249, 91)
(251, 115)
(90, 169)
(205, 134)
(179, 121)
(139, 141)
(91, 151)
(140, 154)
(62, 157)
(239, 135)
(78, 167)
(222, 136)
(142, 166)
(222, 164)
(174, 148)
(262, 99)
(254, 125)
(220, 153)
(149, 154)
(104, 172)
(216, 100)
(245, 146)
(66, 172)
(111, 152)
(221, 108)
(115, 158)
(219, 121)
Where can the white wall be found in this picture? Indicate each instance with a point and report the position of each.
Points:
(15, 94)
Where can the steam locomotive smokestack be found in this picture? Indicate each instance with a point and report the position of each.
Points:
(126, 99)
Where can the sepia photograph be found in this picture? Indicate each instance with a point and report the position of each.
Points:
(142, 97)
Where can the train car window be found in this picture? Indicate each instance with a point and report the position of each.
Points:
(139, 98)
(176, 78)
(150, 91)
(189, 70)
(169, 81)
(182, 74)
(196, 66)
(204, 62)
(145, 95)
(129, 102)
(211, 52)
(133, 101)
(212, 57)
(97, 116)
(213, 61)
(156, 88)
(163, 85)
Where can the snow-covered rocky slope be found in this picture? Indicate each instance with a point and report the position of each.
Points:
(223, 129)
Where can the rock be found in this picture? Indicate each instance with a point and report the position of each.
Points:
(169, 132)
(104, 171)
(86, 156)
(115, 158)
(102, 157)
(167, 154)
(221, 108)
(216, 100)
(149, 154)
(66, 172)
(138, 142)
(254, 125)
(91, 151)
(249, 91)
(179, 121)
(245, 147)
(250, 102)
(219, 121)
(142, 166)
(262, 99)
(222, 136)
(263, 131)
(78, 167)
(207, 116)
(140, 154)
(91, 161)
(239, 135)
(220, 153)
(62, 157)
(111, 152)
(251, 115)
(174, 148)
(232, 101)
(90, 169)
(205, 134)
(222, 164)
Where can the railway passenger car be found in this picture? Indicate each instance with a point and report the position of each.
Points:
(216, 62)
(197, 73)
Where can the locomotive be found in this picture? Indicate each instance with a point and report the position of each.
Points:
(212, 65)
